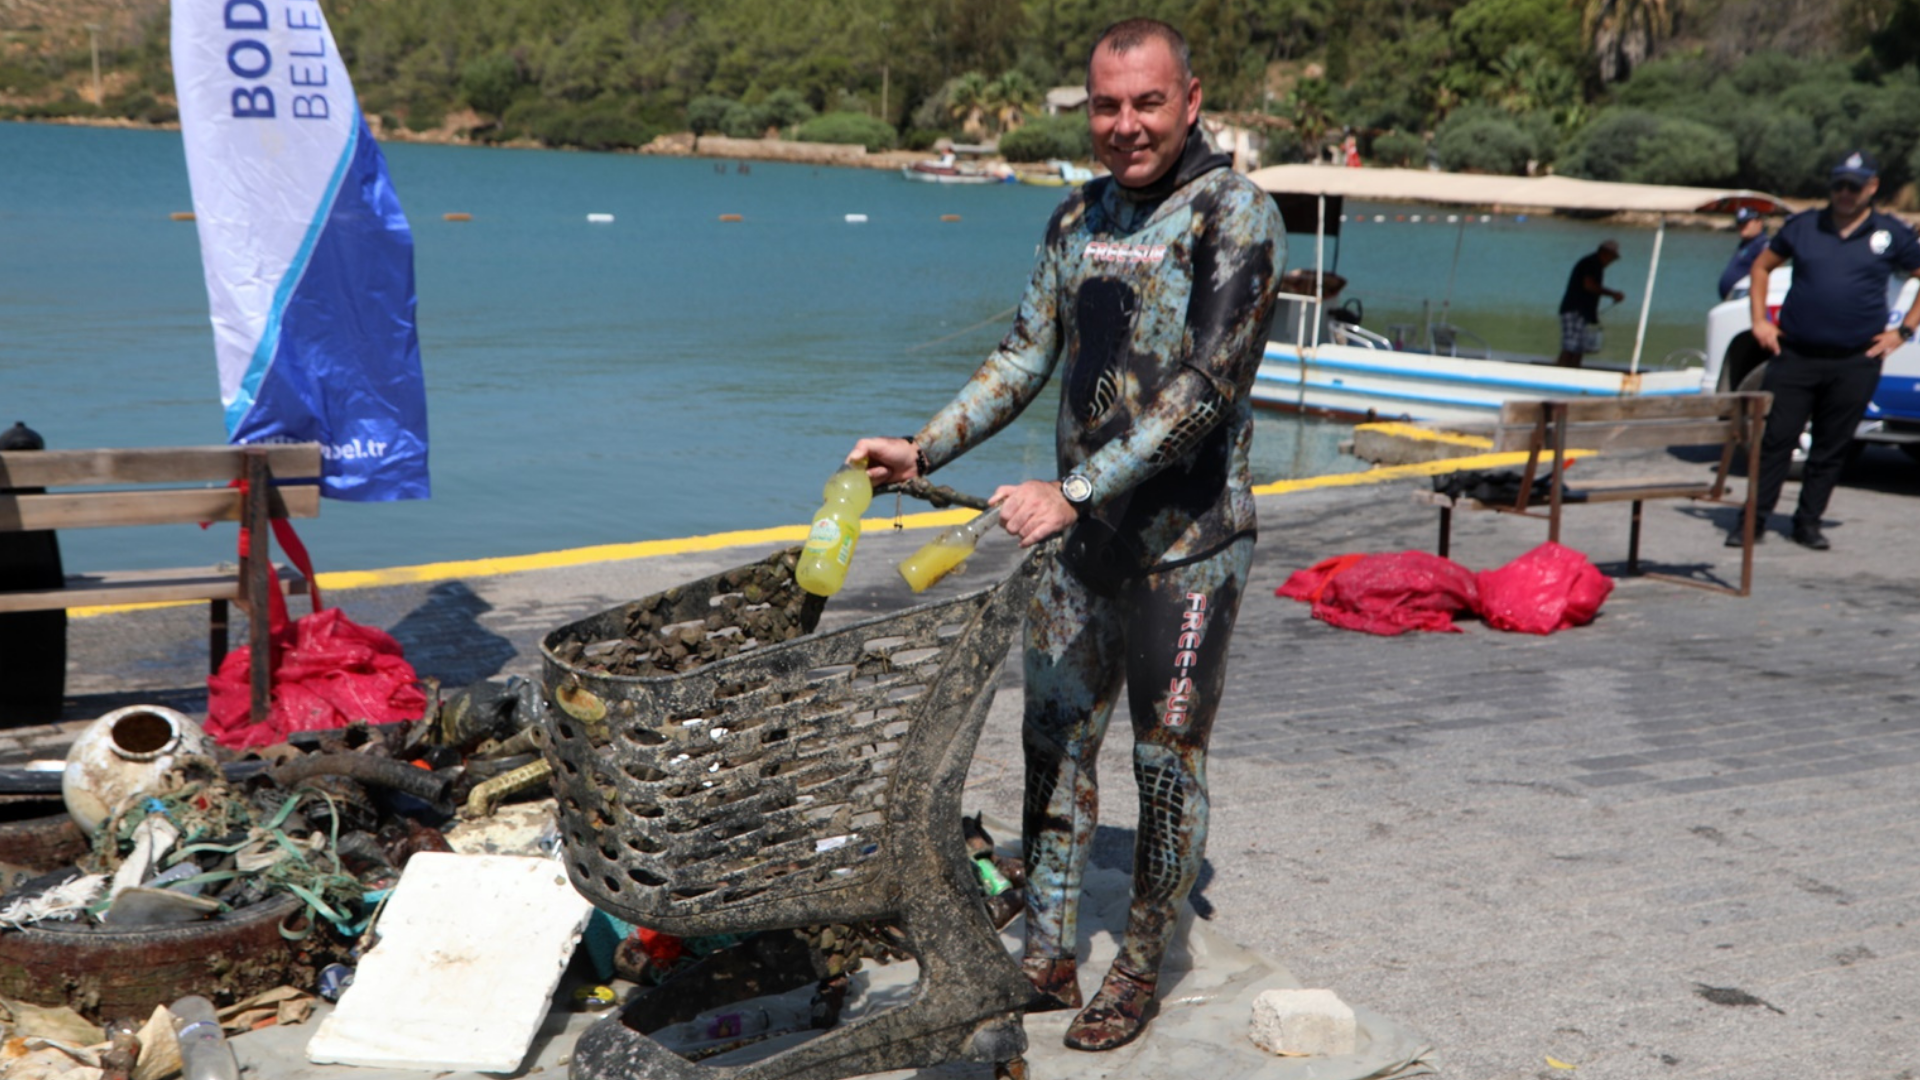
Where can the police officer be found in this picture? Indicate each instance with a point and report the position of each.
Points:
(1753, 241)
(1833, 334)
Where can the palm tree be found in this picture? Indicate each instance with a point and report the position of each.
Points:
(1621, 34)
(967, 100)
(1009, 98)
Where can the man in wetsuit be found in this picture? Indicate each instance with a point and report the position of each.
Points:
(1154, 291)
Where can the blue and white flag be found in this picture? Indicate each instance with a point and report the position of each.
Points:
(308, 257)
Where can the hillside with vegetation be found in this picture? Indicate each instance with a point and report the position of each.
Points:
(1761, 93)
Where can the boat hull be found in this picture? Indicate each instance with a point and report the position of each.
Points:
(932, 176)
(1352, 383)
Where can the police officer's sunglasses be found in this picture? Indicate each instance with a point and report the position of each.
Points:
(1850, 186)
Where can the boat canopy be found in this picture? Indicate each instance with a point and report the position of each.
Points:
(1542, 192)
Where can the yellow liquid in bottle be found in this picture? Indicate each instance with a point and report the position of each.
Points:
(836, 530)
(931, 563)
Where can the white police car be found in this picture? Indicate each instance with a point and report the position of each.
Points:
(1735, 362)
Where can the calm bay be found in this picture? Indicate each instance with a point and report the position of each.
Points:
(664, 374)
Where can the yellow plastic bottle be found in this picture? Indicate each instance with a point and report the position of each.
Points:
(836, 529)
(938, 557)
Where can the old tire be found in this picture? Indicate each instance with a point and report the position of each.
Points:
(104, 974)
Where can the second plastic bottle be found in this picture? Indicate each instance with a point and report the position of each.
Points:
(836, 529)
(939, 556)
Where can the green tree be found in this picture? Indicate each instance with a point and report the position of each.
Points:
(848, 127)
(708, 113)
(1399, 150)
(1485, 31)
(488, 83)
(1646, 148)
(1047, 138)
(784, 109)
(1309, 104)
(1481, 139)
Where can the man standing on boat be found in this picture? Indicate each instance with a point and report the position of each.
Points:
(1753, 241)
(1831, 338)
(1580, 305)
(1152, 294)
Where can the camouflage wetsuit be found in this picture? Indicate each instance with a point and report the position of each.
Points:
(1158, 300)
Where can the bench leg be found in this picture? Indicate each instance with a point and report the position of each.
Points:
(216, 635)
(258, 576)
(1446, 532)
(1633, 540)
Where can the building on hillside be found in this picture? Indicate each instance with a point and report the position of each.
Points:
(1066, 99)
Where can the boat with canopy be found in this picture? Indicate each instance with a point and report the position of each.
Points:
(1321, 360)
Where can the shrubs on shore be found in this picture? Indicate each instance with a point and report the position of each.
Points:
(1049, 137)
(848, 127)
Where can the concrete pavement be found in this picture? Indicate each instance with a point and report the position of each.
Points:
(1590, 847)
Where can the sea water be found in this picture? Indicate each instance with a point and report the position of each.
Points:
(661, 374)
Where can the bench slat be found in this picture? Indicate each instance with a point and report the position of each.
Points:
(98, 509)
(141, 587)
(175, 465)
(1585, 410)
(1617, 435)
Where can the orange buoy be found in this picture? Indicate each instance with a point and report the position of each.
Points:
(458, 215)
(181, 215)
(731, 217)
(949, 217)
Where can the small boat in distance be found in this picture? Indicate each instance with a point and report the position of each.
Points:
(946, 169)
(928, 172)
(1321, 360)
(1059, 174)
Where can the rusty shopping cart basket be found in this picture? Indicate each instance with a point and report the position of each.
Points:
(809, 778)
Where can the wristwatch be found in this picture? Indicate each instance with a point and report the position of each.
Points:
(1077, 489)
(1905, 332)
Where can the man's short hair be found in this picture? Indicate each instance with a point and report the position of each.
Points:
(1609, 246)
(1130, 34)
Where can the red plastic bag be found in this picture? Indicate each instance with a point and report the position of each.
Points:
(1385, 594)
(1549, 588)
(328, 671)
(335, 672)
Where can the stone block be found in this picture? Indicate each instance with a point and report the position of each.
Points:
(1303, 1022)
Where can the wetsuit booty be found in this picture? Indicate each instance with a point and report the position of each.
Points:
(1117, 1015)
(1056, 979)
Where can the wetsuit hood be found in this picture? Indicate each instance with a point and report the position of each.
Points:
(1196, 160)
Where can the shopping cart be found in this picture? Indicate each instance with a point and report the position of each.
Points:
(806, 781)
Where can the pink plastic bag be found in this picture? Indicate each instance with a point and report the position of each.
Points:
(1385, 594)
(1549, 588)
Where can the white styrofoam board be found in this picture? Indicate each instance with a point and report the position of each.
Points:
(471, 948)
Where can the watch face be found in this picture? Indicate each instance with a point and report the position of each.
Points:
(1076, 488)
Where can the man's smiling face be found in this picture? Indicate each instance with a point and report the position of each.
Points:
(1139, 106)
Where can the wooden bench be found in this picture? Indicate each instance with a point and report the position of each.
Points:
(181, 485)
(1733, 422)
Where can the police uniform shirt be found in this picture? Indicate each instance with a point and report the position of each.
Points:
(1839, 296)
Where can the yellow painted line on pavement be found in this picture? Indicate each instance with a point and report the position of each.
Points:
(551, 560)
(784, 534)
(1405, 472)
(1399, 430)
